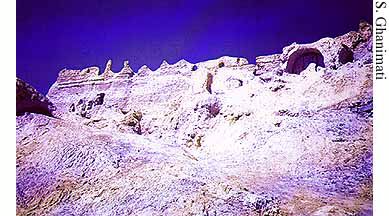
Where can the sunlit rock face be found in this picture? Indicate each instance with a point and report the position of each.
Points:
(288, 135)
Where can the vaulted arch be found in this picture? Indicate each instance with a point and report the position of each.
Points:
(301, 58)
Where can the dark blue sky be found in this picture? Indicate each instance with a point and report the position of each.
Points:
(56, 34)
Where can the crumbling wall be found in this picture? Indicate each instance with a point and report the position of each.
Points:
(66, 75)
(267, 64)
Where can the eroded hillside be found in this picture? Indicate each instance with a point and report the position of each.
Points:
(289, 135)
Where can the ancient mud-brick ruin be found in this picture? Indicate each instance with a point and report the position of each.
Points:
(288, 135)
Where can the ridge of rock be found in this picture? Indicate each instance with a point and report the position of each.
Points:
(29, 100)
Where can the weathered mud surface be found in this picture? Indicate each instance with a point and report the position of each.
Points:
(222, 137)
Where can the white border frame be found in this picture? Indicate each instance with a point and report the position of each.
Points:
(8, 107)
(381, 121)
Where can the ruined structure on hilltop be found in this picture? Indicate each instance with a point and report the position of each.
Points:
(290, 134)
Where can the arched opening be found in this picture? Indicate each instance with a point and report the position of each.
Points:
(301, 58)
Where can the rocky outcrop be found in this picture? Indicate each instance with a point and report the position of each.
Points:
(126, 72)
(29, 100)
(144, 71)
(132, 119)
(108, 73)
(289, 135)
